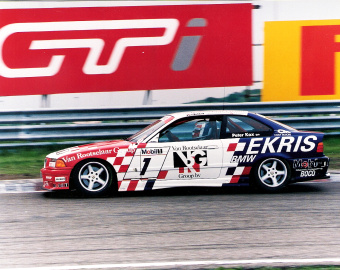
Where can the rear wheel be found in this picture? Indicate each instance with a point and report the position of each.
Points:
(272, 174)
(93, 178)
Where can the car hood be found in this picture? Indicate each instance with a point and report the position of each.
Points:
(108, 146)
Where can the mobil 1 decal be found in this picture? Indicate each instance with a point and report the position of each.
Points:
(308, 167)
(152, 160)
(189, 163)
(245, 150)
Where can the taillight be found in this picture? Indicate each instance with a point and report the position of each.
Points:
(319, 149)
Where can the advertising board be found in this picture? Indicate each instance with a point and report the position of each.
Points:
(302, 60)
(123, 48)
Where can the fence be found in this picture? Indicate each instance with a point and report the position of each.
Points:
(68, 126)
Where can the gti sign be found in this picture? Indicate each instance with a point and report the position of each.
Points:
(95, 45)
(302, 60)
(121, 48)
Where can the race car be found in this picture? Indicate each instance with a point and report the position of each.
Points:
(192, 149)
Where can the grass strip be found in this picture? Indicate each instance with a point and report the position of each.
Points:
(281, 268)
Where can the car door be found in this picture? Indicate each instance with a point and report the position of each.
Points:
(187, 150)
(242, 138)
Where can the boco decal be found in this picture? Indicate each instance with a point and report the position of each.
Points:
(307, 173)
(191, 160)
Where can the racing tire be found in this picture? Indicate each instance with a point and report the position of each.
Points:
(272, 174)
(93, 178)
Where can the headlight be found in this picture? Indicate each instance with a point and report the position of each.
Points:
(51, 163)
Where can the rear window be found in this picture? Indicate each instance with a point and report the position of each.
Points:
(237, 126)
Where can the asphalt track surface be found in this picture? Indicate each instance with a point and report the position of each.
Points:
(172, 229)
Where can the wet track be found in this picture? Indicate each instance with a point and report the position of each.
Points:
(181, 225)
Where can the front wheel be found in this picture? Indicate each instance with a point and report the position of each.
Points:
(272, 174)
(93, 178)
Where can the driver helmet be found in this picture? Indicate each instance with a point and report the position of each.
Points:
(198, 130)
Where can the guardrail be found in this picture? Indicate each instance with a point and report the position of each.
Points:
(64, 126)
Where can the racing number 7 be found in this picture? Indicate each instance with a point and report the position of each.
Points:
(145, 166)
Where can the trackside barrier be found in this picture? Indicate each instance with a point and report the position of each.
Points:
(76, 126)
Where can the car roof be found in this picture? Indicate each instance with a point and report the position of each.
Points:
(212, 112)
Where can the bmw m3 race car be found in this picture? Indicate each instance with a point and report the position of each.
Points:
(207, 148)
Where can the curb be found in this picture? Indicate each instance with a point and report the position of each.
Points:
(334, 171)
(21, 186)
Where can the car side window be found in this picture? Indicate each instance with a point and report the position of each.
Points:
(192, 129)
(237, 126)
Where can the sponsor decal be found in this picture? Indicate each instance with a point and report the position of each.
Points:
(308, 167)
(98, 48)
(61, 185)
(155, 151)
(190, 160)
(308, 164)
(186, 148)
(60, 179)
(64, 151)
(69, 159)
(97, 153)
(237, 135)
(246, 134)
(189, 176)
(310, 48)
(196, 114)
(307, 173)
(282, 132)
(281, 144)
(243, 158)
(127, 150)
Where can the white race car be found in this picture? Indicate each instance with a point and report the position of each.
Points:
(205, 148)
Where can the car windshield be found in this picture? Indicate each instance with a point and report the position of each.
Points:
(145, 132)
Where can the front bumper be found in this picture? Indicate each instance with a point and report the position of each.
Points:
(56, 179)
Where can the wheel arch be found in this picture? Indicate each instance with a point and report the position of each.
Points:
(258, 162)
(105, 162)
